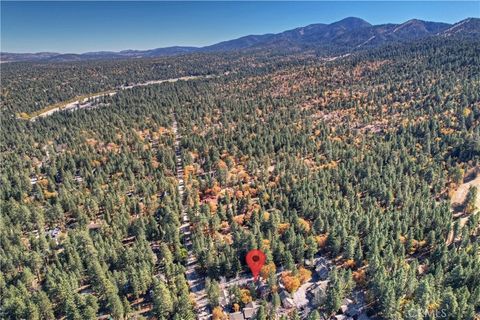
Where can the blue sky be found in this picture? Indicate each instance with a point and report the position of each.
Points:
(95, 26)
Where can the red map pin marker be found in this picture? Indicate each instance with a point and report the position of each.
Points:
(255, 260)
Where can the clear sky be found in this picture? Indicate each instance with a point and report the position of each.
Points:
(95, 26)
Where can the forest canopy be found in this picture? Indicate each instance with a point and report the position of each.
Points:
(353, 162)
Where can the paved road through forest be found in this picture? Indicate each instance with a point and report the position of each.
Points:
(82, 103)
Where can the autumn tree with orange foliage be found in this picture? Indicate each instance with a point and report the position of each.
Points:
(267, 270)
(304, 275)
(218, 314)
(291, 282)
(304, 224)
(245, 296)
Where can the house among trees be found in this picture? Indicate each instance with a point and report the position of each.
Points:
(61, 147)
(54, 233)
(353, 308)
(346, 303)
(318, 292)
(248, 312)
(33, 180)
(236, 316)
(287, 300)
(224, 297)
(322, 268)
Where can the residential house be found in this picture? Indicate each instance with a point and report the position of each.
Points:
(287, 301)
(236, 316)
(318, 293)
(224, 297)
(250, 310)
(322, 268)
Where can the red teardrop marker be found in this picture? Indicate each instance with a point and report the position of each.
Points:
(255, 260)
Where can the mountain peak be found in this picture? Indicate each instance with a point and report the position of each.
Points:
(470, 26)
(352, 23)
(413, 21)
(415, 28)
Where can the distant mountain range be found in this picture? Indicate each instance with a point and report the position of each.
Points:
(344, 35)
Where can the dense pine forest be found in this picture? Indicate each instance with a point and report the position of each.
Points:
(353, 161)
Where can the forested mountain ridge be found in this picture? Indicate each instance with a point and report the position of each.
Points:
(341, 36)
(347, 34)
(341, 171)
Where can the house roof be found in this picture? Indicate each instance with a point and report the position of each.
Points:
(236, 316)
(284, 294)
(249, 312)
(288, 303)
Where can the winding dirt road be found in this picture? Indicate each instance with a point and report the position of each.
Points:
(195, 281)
